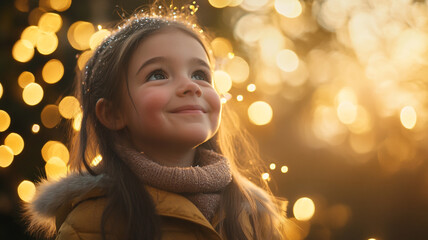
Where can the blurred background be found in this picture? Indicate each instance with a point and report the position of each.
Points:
(334, 91)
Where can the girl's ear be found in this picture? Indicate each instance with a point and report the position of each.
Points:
(108, 116)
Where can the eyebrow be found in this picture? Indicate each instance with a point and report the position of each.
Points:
(193, 61)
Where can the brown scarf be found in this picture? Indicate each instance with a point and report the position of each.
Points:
(201, 184)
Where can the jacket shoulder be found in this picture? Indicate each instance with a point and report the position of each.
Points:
(55, 199)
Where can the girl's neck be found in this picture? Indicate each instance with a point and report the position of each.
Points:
(170, 157)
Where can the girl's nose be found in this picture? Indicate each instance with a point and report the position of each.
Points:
(189, 87)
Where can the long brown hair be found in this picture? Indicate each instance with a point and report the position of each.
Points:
(246, 211)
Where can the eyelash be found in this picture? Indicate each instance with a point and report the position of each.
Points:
(206, 77)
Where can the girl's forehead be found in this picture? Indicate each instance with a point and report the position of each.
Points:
(172, 44)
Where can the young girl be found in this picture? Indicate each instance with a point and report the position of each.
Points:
(168, 170)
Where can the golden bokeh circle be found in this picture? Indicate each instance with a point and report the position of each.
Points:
(32, 94)
(53, 71)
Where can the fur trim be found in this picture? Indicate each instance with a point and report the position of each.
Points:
(51, 195)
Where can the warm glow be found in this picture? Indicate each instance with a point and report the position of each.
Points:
(222, 81)
(288, 8)
(77, 121)
(55, 149)
(408, 117)
(31, 33)
(97, 38)
(53, 71)
(4, 121)
(15, 142)
(253, 5)
(23, 51)
(55, 168)
(50, 22)
(35, 128)
(96, 160)
(251, 87)
(287, 60)
(50, 116)
(235, 3)
(1, 90)
(26, 190)
(35, 14)
(69, 107)
(272, 166)
(47, 42)
(79, 34)
(32, 94)
(83, 59)
(347, 112)
(239, 98)
(260, 113)
(304, 209)
(238, 69)
(6, 156)
(249, 28)
(219, 3)
(362, 123)
(60, 5)
(25, 78)
(22, 5)
(284, 169)
(221, 47)
(265, 176)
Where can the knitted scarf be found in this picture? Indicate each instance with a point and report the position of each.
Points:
(201, 184)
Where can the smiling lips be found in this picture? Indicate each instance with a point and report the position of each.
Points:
(189, 109)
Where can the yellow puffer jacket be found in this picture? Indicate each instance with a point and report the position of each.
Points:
(76, 205)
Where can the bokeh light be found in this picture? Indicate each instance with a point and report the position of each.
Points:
(15, 142)
(52, 71)
(288, 8)
(222, 81)
(4, 120)
(6, 156)
(25, 78)
(284, 169)
(55, 149)
(221, 47)
(251, 87)
(408, 117)
(287, 60)
(97, 38)
(1, 90)
(23, 51)
(265, 176)
(35, 128)
(79, 34)
(219, 3)
(260, 113)
(55, 168)
(32, 94)
(50, 116)
(83, 59)
(238, 69)
(272, 166)
(50, 22)
(30, 33)
(304, 209)
(26, 190)
(60, 5)
(47, 42)
(22, 5)
(69, 107)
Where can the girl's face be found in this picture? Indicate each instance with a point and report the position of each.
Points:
(171, 100)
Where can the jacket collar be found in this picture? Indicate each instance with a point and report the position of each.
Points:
(54, 200)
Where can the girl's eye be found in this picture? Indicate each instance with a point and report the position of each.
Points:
(157, 75)
(200, 75)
